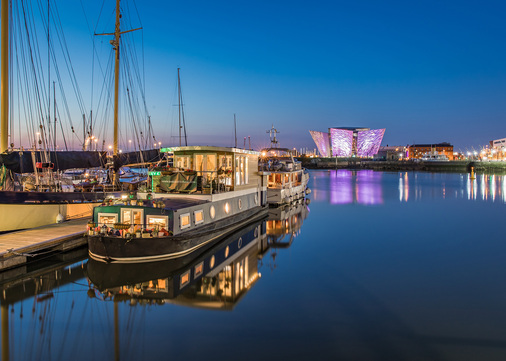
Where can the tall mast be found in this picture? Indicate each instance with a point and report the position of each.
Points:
(4, 93)
(235, 131)
(115, 43)
(117, 34)
(179, 103)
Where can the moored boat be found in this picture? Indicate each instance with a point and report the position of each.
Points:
(213, 191)
(287, 180)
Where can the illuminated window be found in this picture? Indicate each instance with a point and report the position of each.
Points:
(211, 262)
(132, 216)
(184, 220)
(241, 170)
(160, 221)
(107, 218)
(212, 212)
(227, 251)
(184, 279)
(183, 162)
(199, 216)
(199, 269)
(227, 208)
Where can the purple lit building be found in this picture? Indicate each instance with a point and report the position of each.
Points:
(348, 142)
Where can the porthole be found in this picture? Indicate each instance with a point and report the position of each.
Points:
(239, 243)
(212, 212)
(227, 208)
(240, 203)
(211, 262)
(256, 232)
(227, 251)
(256, 198)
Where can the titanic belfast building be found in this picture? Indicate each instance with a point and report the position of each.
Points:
(348, 142)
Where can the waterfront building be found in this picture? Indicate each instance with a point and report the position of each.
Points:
(498, 144)
(348, 141)
(398, 152)
(417, 151)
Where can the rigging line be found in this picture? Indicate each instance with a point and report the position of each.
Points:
(62, 132)
(37, 89)
(68, 60)
(30, 54)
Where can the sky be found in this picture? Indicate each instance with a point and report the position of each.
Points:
(427, 71)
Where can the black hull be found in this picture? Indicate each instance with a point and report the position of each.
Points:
(109, 275)
(14, 197)
(116, 249)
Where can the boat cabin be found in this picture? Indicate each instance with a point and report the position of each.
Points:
(283, 170)
(206, 170)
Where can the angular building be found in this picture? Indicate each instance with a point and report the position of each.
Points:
(348, 142)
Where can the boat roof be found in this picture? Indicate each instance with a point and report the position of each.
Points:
(209, 149)
(178, 203)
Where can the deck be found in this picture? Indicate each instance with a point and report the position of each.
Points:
(17, 248)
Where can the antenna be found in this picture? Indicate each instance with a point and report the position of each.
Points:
(235, 131)
(274, 141)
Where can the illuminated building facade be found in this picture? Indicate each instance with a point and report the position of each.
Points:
(348, 142)
(417, 151)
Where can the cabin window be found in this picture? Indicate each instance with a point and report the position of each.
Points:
(205, 165)
(199, 269)
(184, 279)
(239, 203)
(227, 251)
(183, 161)
(211, 262)
(241, 170)
(158, 221)
(212, 212)
(184, 220)
(199, 216)
(227, 208)
(132, 216)
(107, 218)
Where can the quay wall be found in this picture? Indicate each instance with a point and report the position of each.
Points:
(461, 166)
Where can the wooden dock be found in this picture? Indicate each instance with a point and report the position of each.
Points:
(17, 248)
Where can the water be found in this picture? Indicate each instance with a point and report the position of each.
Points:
(380, 266)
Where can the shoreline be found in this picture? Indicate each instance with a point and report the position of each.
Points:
(459, 166)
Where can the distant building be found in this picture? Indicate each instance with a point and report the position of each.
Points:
(398, 152)
(348, 142)
(417, 151)
(498, 144)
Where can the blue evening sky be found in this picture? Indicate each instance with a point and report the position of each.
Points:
(427, 71)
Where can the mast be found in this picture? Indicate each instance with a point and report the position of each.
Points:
(4, 112)
(235, 131)
(179, 103)
(115, 44)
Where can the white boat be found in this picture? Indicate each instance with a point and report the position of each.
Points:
(287, 180)
(434, 156)
(213, 191)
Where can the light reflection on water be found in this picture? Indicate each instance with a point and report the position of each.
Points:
(367, 187)
(386, 266)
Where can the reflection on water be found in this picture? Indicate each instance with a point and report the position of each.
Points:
(369, 187)
(46, 312)
(346, 186)
(389, 266)
(215, 279)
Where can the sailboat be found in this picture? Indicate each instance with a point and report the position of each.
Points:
(46, 203)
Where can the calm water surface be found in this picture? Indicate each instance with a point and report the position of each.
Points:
(379, 266)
